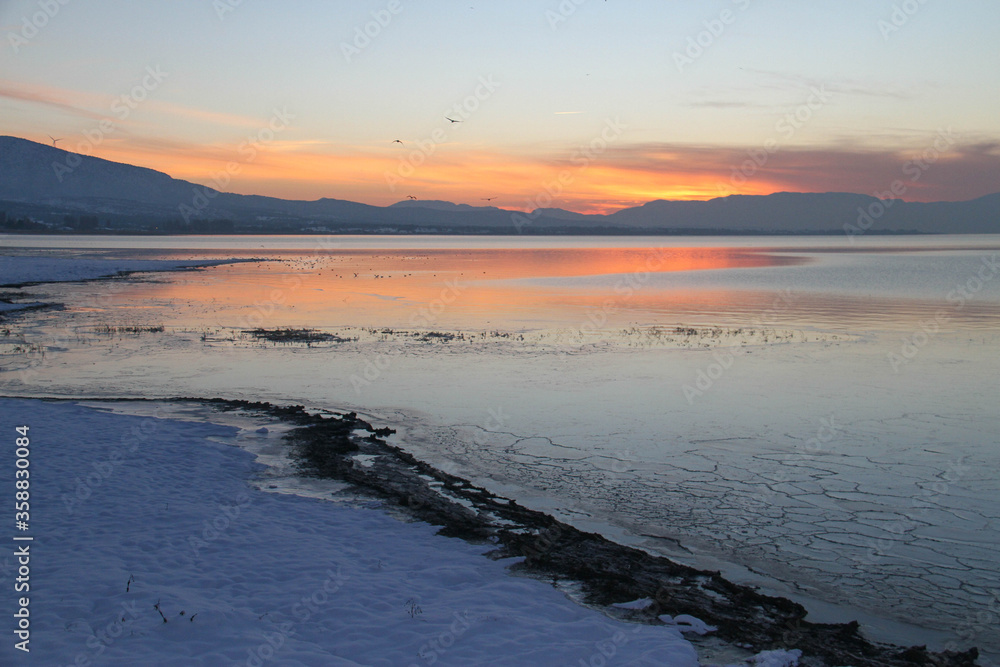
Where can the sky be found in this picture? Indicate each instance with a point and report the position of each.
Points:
(587, 105)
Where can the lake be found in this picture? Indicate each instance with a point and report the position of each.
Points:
(810, 415)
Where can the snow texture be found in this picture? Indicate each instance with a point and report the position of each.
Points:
(32, 269)
(137, 517)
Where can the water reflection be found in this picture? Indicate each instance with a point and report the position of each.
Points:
(476, 288)
(386, 288)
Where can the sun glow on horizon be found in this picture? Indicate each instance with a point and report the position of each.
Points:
(187, 107)
(303, 169)
(293, 171)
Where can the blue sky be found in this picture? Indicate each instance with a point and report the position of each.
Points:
(601, 104)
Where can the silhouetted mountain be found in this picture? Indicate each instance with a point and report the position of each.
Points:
(816, 212)
(48, 183)
(30, 171)
(439, 205)
(563, 214)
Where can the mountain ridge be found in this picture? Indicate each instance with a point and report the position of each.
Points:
(41, 178)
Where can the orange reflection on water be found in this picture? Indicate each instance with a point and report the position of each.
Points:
(460, 288)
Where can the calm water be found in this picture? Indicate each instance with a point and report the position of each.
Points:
(878, 282)
(812, 416)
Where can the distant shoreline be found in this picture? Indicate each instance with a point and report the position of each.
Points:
(547, 231)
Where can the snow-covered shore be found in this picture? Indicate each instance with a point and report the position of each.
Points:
(134, 517)
(23, 270)
(31, 269)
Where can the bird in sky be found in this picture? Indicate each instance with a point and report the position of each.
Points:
(54, 140)
(397, 141)
(453, 120)
(411, 196)
(488, 198)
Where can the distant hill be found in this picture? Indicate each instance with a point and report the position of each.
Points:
(438, 205)
(797, 212)
(45, 183)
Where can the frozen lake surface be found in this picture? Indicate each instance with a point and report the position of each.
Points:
(806, 414)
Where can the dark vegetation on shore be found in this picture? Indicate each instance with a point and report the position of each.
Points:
(604, 571)
(128, 329)
(11, 314)
(295, 336)
(17, 299)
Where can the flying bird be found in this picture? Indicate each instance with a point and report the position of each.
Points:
(411, 196)
(453, 120)
(54, 140)
(488, 198)
(397, 141)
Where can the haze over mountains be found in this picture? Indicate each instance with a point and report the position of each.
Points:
(54, 186)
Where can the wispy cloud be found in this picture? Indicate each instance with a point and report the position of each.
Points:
(212, 117)
(791, 81)
(69, 102)
(725, 104)
(772, 91)
(97, 106)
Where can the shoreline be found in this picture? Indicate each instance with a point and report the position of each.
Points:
(151, 545)
(125, 269)
(589, 568)
(608, 573)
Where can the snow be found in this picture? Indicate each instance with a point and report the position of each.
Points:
(7, 307)
(641, 603)
(18, 270)
(777, 658)
(688, 623)
(137, 516)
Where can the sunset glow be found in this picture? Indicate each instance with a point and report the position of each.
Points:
(776, 103)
